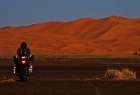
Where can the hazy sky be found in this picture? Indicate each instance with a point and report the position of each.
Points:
(24, 12)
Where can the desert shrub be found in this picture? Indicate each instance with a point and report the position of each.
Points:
(128, 74)
(135, 53)
(124, 74)
(111, 74)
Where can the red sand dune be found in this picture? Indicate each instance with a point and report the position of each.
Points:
(107, 36)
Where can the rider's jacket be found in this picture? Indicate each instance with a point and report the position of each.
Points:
(23, 51)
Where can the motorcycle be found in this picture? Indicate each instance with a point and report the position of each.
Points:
(22, 69)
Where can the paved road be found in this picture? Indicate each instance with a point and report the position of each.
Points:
(60, 76)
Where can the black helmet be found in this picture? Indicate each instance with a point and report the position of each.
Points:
(23, 45)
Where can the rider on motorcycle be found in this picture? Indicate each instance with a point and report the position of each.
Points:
(23, 50)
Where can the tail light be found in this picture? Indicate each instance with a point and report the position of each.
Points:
(23, 57)
(23, 61)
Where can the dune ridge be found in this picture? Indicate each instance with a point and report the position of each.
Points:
(112, 35)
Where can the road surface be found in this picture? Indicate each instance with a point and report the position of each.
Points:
(69, 76)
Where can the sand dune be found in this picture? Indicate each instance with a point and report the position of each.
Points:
(112, 35)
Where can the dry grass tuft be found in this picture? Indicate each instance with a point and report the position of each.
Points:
(123, 74)
(7, 78)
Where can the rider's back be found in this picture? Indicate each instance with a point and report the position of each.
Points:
(23, 52)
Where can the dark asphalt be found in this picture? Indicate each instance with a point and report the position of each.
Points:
(68, 76)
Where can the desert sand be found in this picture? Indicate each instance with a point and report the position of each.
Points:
(112, 35)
